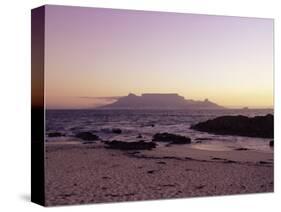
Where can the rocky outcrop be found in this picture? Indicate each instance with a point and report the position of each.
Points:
(171, 138)
(122, 145)
(259, 126)
(87, 136)
(116, 130)
(55, 134)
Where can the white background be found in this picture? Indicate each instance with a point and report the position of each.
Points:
(15, 104)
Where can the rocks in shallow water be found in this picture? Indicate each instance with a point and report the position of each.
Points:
(148, 125)
(116, 130)
(55, 134)
(259, 126)
(271, 143)
(172, 138)
(88, 142)
(87, 136)
(111, 130)
(138, 145)
(203, 139)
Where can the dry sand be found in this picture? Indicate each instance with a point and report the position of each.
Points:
(89, 173)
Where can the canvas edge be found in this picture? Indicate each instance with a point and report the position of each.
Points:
(37, 106)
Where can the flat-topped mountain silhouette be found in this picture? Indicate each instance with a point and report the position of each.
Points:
(159, 101)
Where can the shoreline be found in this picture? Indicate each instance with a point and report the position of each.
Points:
(89, 173)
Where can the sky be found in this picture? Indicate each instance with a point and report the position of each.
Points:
(94, 52)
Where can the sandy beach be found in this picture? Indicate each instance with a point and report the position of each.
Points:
(79, 173)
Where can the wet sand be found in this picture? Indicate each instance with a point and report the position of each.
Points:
(89, 173)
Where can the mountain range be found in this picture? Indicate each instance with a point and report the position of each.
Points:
(159, 101)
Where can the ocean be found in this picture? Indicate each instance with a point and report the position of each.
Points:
(148, 122)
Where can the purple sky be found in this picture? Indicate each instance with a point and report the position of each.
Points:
(106, 52)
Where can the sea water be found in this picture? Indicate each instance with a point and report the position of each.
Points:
(148, 122)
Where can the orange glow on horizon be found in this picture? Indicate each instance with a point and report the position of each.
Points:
(228, 60)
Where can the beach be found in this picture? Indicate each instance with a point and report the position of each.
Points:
(78, 173)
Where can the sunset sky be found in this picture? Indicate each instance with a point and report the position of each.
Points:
(106, 53)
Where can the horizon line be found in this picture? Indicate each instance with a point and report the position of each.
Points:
(226, 108)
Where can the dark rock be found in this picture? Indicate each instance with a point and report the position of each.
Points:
(134, 152)
(161, 162)
(88, 142)
(55, 134)
(265, 162)
(200, 187)
(241, 149)
(174, 139)
(138, 145)
(139, 136)
(112, 195)
(203, 139)
(259, 126)
(116, 130)
(229, 161)
(271, 143)
(215, 158)
(168, 185)
(87, 136)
